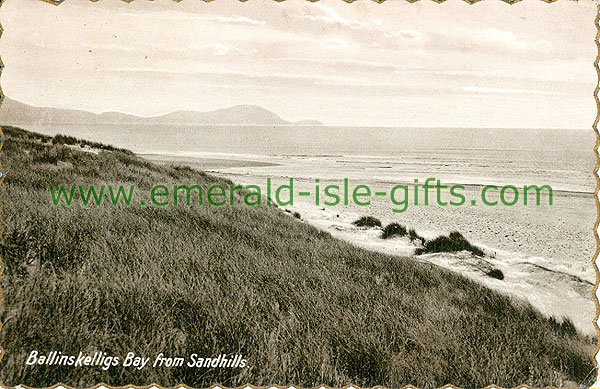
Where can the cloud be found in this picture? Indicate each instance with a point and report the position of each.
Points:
(330, 16)
(215, 48)
(231, 19)
(509, 40)
(334, 56)
(221, 49)
(254, 79)
(349, 62)
(195, 17)
(477, 89)
(500, 36)
(336, 42)
(404, 34)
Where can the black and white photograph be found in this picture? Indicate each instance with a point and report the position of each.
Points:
(298, 194)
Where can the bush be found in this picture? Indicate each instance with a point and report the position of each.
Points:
(451, 243)
(412, 235)
(392, 230)
(64, 140)
(496, 273)
(367, 221)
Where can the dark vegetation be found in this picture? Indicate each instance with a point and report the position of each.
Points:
(393, 229)
(294, 214)
(71, 141)
(367, 221)
(496, 273)
(302, 307)
(413, 236)
(451, 243)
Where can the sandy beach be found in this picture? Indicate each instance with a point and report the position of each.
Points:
(545, 252)
(307, 194)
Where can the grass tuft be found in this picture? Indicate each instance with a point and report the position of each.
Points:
(393, 229)
(367, 221)
(66, 140)
(451, 243)
(496, 273)
(413, 236)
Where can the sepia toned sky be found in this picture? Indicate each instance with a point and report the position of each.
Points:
(393, 64)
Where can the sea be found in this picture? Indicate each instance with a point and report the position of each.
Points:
(563, 158)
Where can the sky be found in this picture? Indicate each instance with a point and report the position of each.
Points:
(490, 64)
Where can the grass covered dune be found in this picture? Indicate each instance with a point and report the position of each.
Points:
(301, 307)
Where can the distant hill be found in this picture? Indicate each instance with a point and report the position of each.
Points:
(15, 112)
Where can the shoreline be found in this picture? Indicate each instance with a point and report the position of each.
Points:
(365, 169)
(205, 163)
(468, 186)
(559, 289)
(551, 291)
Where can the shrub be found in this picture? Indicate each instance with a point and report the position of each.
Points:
(64, 140)
(496, 273)
(451, 243)
(367, 221)
(412, 235)
(393, 229)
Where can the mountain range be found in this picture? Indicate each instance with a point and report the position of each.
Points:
(16, 112)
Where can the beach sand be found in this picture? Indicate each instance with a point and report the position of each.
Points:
(552, 288)
(545, 252)
(205, 163)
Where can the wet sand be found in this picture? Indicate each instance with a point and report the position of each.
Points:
(205, 163)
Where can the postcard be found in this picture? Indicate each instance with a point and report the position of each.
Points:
(328, 194)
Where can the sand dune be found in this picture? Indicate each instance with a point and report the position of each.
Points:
(553, 292)
(545, 253)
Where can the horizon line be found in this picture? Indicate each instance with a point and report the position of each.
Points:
(296, 123)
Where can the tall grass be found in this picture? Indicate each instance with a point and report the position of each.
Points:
(302, 307)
